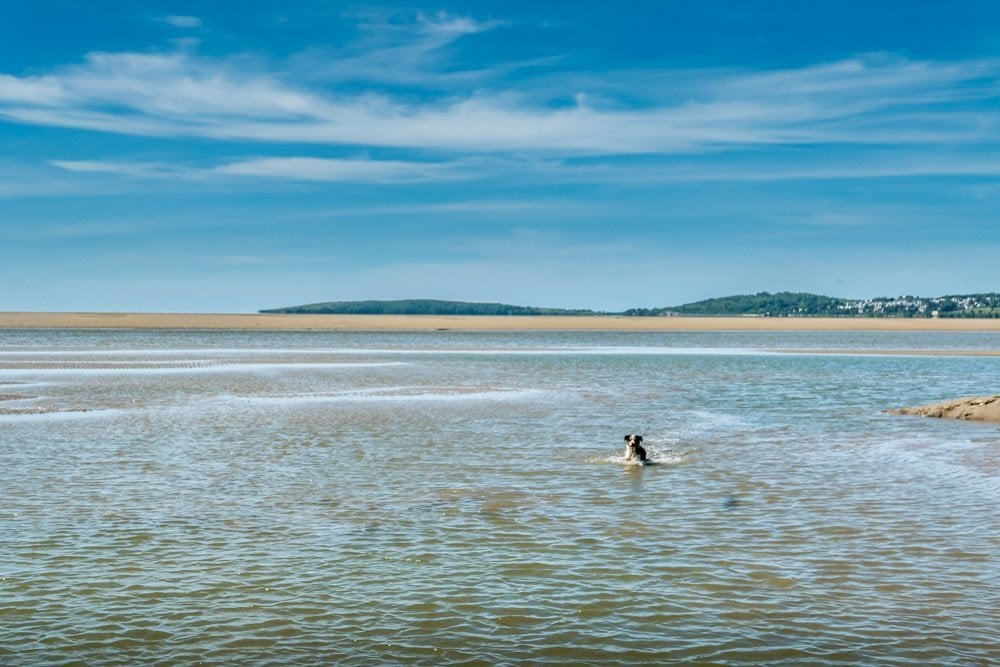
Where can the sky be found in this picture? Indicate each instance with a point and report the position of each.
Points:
(235, 156)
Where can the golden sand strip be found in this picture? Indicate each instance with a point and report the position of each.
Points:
(274, 322)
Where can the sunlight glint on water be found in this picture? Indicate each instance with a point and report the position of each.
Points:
(444, 498)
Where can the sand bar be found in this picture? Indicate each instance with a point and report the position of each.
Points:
(282, 322)
(972, 408)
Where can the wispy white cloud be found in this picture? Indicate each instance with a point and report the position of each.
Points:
(871, 80)
(386, 38)
(864, 165)
(134, 169)
(325, 169)
(366, 170)
(33, 91)
(413, 52)
(182, 21)
(868, 100)
(282, 168)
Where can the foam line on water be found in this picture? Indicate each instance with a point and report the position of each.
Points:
(393, 394)
(168, 352)
(139, 352)
(611, 350)
(559, 350)
(121, 363)
(668, 351)
(192, 370)
(17, 399)
(61, 415)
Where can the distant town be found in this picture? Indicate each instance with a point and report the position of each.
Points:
(972, 305)
(762, 304)
(801, 304)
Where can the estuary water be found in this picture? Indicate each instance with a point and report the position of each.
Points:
(460, 498)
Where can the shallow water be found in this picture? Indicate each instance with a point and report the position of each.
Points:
(449, 498)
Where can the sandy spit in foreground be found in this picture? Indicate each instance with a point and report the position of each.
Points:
(973, 408)
(276, 322)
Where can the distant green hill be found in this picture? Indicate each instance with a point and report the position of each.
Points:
(782, 304)
(421, 307)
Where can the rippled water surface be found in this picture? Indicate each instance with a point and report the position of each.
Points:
(448, 498)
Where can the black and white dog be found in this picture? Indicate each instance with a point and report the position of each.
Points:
(633, 449)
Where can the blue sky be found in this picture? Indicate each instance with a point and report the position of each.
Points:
(233, 156)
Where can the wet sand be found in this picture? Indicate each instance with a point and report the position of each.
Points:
(973, 408)
(282, 322)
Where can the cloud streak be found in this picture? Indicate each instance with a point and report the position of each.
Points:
(282, 168)
(409, 53)
(402, 172)
(323, 169)
(869, 100)
(182, 21)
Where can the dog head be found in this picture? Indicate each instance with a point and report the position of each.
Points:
(633, 440)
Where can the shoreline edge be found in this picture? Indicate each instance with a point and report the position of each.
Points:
(301, 322)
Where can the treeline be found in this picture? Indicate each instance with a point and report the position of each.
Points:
(763, 304)
(421, 307)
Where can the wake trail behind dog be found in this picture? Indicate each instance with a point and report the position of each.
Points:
(656, 455)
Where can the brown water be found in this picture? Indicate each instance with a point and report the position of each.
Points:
(461, 498)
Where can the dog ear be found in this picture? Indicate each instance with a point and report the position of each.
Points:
(627, 437)
(638, 438)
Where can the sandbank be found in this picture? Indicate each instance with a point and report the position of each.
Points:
(288, 322)
(973, 408)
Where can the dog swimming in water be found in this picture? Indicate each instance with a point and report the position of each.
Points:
(634, 450)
